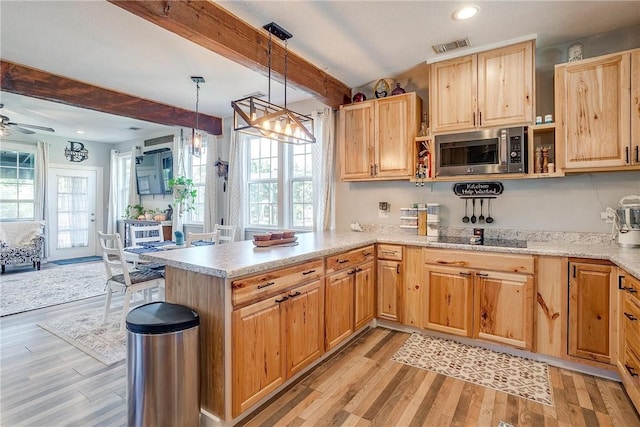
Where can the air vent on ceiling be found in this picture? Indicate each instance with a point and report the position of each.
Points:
(456, 44)
(133, 128)
(157, 141)
(257, 94)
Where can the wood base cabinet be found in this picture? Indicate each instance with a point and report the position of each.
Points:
(629, 359)
(390, 282)
(473, 302)
(349, 294)
(591, 311)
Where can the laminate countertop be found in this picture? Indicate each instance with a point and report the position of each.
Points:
(242, 258)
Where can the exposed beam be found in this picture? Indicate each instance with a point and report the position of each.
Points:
(22, 80)
(214, 28)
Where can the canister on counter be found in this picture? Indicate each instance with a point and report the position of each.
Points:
(478, 233)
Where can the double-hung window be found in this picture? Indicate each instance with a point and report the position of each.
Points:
(17, 185)
(279, 185)
(198, 174)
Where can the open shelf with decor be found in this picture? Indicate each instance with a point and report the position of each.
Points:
(543, 152)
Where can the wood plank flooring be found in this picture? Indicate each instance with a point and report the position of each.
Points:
(46, 382)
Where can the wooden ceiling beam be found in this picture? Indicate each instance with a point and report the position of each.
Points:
(22, 80)
(214, 28)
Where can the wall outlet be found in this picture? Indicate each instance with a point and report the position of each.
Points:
(608, 216)
(604, 215)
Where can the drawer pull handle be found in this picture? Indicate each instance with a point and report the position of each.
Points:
(632, 291)
(358, 269)
(631, 370)
(464, 274)
(342, 261)
(630, 316)
(283, 299)
(266, 285)
(482, 274)
(304, 273)
(294, 294)
(367, 253)
(350, 272)
(389, 252)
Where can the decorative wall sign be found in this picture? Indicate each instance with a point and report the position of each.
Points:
(477, 189)
(75, 152)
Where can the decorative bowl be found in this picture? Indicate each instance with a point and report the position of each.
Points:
(286, 234)
(276, 235)
(261, 236)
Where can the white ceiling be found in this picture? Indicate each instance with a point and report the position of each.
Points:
(357, 42)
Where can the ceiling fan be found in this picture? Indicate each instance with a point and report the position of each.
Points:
(6, 125)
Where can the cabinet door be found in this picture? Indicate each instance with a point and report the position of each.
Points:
(597, 112)
(304, 336)
(394, 146)
(504, 308)
(389, 290)
(589, 311)
(635, 107)
(258, 360)
(364, 302)
(452, 94)
(449, 296)
(356, 141)
(506, 86)
(414, 295)
(338, 308)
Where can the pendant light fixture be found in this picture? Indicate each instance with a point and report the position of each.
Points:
(254, 116)
(196, 134)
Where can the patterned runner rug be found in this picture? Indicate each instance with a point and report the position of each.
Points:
(500, 371)
(52, 285)
(86, 332)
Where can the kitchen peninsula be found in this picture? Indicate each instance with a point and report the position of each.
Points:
(250, 298)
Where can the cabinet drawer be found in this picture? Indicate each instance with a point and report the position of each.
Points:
(260, 286)
(631, 322)
(631, 286)
(483, 260)
(391, 252)
(349, 259)
(632, 365)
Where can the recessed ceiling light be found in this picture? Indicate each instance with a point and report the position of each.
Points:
(80, 131)
(465, 12)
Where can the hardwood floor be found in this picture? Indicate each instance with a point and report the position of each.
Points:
(46, 382)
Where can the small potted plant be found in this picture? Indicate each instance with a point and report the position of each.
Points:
(184, 193)
(134, 211)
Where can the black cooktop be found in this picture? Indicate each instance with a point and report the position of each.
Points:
(504, 243)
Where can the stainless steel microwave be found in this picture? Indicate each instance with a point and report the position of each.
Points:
(489, 151)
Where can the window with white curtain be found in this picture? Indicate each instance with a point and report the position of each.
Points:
(124, 171)
(17, 185)
(279, 185)
(198, 172)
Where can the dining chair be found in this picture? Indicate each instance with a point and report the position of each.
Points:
(227, 233)
(145, 234)
(134, 283)
(213, 236)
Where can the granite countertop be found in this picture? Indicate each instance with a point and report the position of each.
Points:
(237, 259)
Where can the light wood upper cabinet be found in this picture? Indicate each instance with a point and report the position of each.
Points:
(593, 108)
(635, 107)
(489, 89)
(376, 138)
(591, 314)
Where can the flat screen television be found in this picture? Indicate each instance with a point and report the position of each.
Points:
(154, 172)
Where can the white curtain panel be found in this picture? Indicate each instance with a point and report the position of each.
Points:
(40, 191)
(323, 168)
(236, 209)
(179, 169)
(211, 185)
(134, 197)
(113, 192)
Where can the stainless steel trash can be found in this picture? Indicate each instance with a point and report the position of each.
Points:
(163, 382)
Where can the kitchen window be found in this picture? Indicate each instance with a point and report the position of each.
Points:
(279, 185)
(17, 185)
(198, 174)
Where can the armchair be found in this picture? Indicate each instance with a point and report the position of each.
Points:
(21, 242)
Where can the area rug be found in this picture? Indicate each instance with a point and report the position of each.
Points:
(86, 332)
(77, 260)
(43, 288)
(499, 371)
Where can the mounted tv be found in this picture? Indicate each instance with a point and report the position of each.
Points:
(154, 172)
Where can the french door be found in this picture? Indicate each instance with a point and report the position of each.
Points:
(74, 199)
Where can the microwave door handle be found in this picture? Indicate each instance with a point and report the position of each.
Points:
(503, 149)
